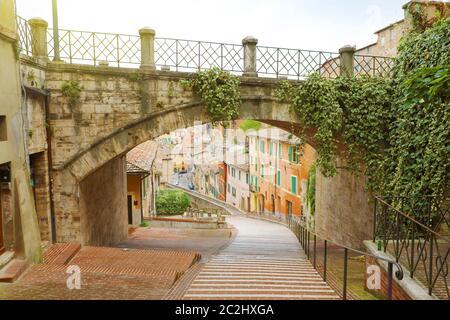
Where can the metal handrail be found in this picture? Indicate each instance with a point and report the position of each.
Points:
(305, 242)
(410, 218)
(421, 249)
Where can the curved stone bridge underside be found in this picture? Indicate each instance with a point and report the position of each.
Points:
(121, 108)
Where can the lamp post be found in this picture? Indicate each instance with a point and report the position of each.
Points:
(55, 31)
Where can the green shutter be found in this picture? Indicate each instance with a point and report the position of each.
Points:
(290, 153)
(280, 150)
(262, 171)
(279, 178)
(294, 185)
(256, 184)
(271, 148)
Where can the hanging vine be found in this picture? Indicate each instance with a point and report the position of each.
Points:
(219, 90)
(397, 130)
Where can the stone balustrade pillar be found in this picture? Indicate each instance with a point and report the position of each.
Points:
(249, 44)
(147, 48)
(38, 28)
(347, 56)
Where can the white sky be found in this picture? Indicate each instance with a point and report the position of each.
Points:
(301, 24)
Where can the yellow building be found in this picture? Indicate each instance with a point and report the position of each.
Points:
(19, 229)
(142, 182)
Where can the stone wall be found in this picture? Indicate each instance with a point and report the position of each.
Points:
(39, 166)
(343, 209)
(36, 122)
(103, 207)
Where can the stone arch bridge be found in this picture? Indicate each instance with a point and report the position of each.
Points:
(121, 107)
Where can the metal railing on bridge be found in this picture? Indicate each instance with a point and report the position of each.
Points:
(122, 50)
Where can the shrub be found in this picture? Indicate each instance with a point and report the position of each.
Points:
(172, 203)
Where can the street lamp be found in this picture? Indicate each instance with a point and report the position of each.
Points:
(55, 31)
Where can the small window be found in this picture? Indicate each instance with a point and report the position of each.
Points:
(3, 132)
(279, 178)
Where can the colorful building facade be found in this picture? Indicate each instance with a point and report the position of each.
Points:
(279, 168)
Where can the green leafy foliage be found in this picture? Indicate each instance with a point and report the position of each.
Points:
(72, 91)
(316, 104)
(219, 90)
(172, 202)
(397, 130)
(248, 125)
(311, 189)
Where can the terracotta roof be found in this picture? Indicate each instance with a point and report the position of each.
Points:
(141, 158)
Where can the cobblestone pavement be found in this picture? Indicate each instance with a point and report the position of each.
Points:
(264, 262)
(145, 267)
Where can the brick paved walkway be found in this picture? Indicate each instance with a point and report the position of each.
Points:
(106, 273)
(265, 262)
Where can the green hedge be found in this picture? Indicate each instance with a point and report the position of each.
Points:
(172, 203)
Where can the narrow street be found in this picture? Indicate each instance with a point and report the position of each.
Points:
(264, 262)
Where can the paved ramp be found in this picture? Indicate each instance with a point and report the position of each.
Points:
(265, 262)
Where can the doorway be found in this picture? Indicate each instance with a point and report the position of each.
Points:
(289, 209)
(273, 205)
(130, 210)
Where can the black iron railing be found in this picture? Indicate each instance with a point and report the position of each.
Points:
(188, 55)
(419, 241)
(373, 66)
(296, 64)
(123, 50)
(333, 261)
(84, 47)
(25, 38)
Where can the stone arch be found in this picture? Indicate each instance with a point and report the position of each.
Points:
(122, 140)
(94, 160)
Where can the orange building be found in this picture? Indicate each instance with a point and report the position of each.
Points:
(279, 169)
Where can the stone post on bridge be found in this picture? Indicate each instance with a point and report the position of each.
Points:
(249, 44)
(347, 56)
(38, 28)
(147, 48)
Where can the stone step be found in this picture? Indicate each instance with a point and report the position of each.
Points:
(6, 258)
(281, 296)
(61, 254)
(13, 270)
